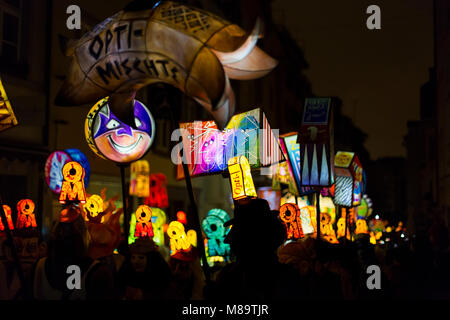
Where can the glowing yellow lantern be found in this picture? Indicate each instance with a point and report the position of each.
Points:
(192, 237)
(290, 215)
(7, 117)
(140, 179)
(341, 229)
(178, 238)
(7, 211)
(72, 188)
(327, 232)
(25, 214)
(94, 209)
(241, 178)
(144, 226)
(361, 227)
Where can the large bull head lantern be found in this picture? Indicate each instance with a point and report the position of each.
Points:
(188, 48)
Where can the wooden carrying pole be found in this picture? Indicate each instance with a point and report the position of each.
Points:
(126, 216)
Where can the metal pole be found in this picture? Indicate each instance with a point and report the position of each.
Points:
(126, 217)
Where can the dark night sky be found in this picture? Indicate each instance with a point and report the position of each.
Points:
(377, 73)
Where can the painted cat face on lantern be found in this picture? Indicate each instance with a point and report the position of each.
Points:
(119, 142)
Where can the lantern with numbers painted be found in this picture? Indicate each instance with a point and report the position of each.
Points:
(72, 189)
(241, 178)
(349, 179)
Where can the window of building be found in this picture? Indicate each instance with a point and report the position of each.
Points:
(10, 29)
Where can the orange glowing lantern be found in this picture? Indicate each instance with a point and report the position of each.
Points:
(181, 217)
(341, 229)
(144, 226)
(7, 211)
(241, 178)
(178, 238)
(327, 231)
(290, 215)
(361, 227)
(72, 189)
(25, 214)
(158, 191)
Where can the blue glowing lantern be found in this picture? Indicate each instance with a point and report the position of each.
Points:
(213, 226)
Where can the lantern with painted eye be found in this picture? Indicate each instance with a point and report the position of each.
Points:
(25, 214)
(241, 178)
(290, 215)
(316, 143)
(7, 211)
(341, 229)
(72, 189)
(361, 227)
(215, 230)
(178, 238)
(114, 140)
(94, 209)
(349, 179)
(327, 231)
(140, 179)
(144, 226)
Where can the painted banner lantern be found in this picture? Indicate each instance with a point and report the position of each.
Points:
(208, 149)
(290, 216)
(316, 143)
(158, 191)
(349, 179)
(140, 179)
(144, 227)
(215, 230)
(191, 49)
(25, 214)
(72, 189)
(241, 178)
(115, 140)
(7, 117)
(9, 221)
(178, 238)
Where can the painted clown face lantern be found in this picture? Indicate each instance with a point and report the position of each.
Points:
(112, 139)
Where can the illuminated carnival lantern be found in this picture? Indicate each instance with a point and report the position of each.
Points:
(199, 54)
(144, 226)
(178, 238)
(273, 197)
(94, 209)
(316, 143)
(209, 150)
(349, 179)
(305, 217)
(56, 161)
(72, 189)
(192, 237)
(140, 179)
(53, 170)
(361, 227)
(342, 228)
(181, 217)
(326, 226)
(290, 216)
(7, 117)
(158, 222)
(215, 231)
(115, 140)
(25, 214)
(241, 178)
(9, 221)
(158, 191)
